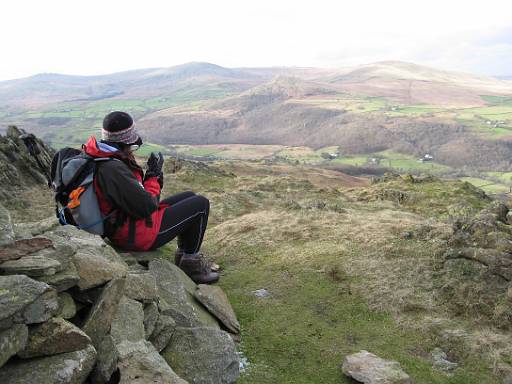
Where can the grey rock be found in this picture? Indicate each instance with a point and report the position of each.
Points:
(69, 368)
(31, 266)
(368, 368)
(99, 320)
(6, 229)
(162, 334)
(24, 300)
(216, 301)
(24, 247)
(97, 269)
(106, 362)
(175, 299)
(151, 315)
(441, 361)
(128, 321)
(25, 230)
(203, 355)
(141, 287)
(261, 293)
(78, 239)
(52, 337)
(12, 341)
(407, 235)
(67, 306)
(61, 252)
(63, 280)
(140, 363)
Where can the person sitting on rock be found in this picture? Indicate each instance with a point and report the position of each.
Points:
(137, 220)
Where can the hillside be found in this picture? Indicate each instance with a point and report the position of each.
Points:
(461, 119)
(320, 264)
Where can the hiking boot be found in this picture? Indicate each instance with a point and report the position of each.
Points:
(179, 254)
(198, 268)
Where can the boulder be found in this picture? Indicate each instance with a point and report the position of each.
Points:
(33, 266)
(26, 230)
(140, 363)
(163, 331)
(175, 299)
(12, 341)
(52, 337)
(99, 320)
(128, 321)
(151, 315)
(203, 355)
(79, 239)
(216, 301)
(24, 300)
(67, 306)
(141, 287)
(62, 280)
(368, 368)
(60, 251)
(23, 247)
(441, 361)
(69, 368)
(106, 362)
(6, 230)
(97, 269)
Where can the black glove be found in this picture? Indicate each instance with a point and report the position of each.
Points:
(155, 164)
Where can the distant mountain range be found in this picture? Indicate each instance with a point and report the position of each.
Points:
(465, 120)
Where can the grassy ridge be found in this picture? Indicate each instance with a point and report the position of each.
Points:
(336, 270)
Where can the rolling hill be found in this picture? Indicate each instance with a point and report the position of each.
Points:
(462, 119)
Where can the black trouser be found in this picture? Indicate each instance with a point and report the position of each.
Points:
(187, 218)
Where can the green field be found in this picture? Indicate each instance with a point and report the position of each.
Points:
(487, 185)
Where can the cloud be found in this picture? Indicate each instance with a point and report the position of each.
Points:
(105, 36)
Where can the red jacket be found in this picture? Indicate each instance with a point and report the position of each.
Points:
(120, 186)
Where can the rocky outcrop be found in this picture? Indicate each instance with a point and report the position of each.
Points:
(19, 169)
(74, 310)
(6, 230)
(367, 368)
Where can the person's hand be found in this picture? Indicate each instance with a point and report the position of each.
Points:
(155, 163)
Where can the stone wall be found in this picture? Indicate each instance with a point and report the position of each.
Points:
(75, 310)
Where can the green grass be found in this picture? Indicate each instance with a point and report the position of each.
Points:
(351, 160)
(303, 331)
(506, 177)
(398, 161)
(487, 185)
(416, 110)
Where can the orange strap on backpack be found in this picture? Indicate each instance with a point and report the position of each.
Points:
(74, 197)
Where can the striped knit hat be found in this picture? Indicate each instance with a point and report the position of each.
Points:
(119, 127)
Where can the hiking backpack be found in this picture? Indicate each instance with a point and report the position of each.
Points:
(72, 177)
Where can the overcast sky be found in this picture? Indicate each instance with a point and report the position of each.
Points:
(97, 37)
